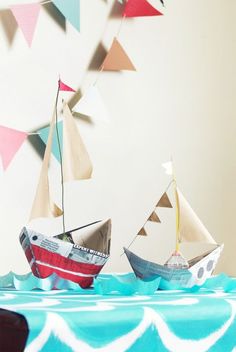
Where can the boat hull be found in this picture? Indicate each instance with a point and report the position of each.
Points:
(48, 255)
(200, 269)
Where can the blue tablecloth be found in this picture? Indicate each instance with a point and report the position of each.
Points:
(178, 321)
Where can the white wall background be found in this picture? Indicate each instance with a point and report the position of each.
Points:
(181, 102)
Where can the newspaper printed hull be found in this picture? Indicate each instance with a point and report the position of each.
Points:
(48, 255)
(200, 268)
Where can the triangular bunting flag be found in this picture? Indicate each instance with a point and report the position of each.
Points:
(70, 10)
(117, 59)
(43, 134)
(139, 8)
(164, 202)
(91, 104)
(64, 87)
(142, 232)
(154, 218)
(26, 16)
(10, 141)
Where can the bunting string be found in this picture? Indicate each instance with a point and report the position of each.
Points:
(148, 219)
(116, 59)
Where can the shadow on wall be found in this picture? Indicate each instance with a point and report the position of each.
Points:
(9, 24)
(56, 15)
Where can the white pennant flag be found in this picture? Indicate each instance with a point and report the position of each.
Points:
(91, 104)
(168, 167)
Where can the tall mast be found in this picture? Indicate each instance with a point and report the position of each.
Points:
(177, 210)
(61, 166)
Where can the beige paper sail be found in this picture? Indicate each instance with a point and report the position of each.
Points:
(154, 218)
(117, 59)
(164, 201)
(142, 232)
(76, 162)
(191, 227)
(43, 206)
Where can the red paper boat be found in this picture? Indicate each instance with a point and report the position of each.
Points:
(79, 258)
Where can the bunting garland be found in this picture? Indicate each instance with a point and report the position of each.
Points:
(91, 104)
(164, 202)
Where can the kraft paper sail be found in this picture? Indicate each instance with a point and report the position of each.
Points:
(43, 205)
(26, 16)
(191, 227)
(76, 161)
(117, 59)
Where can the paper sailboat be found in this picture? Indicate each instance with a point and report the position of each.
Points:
(178, 272)
(79, 259)
(77, 255)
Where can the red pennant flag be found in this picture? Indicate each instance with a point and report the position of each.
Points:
(10, 141)
(26, 16)
(64, 87)
(139, 8)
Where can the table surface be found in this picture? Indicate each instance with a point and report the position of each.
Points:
(62, 320)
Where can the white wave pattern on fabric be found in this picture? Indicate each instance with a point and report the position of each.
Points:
(34, 305)
(177, 302)
(100, 306)
(57, 326)
(176, 344)
(7, 296)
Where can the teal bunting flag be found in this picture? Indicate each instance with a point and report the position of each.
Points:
(43, 134)
(70, 9)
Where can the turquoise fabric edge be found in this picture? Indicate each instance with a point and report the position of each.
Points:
(125, 284)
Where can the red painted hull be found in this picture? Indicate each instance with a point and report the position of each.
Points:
(48, 255)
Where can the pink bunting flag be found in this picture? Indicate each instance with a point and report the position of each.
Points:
(10, 141)
(64, 87)
(139, 8)
(26, 16)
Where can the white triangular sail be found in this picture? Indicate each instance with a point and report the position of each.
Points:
(76, 162)
(191, 227)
